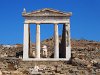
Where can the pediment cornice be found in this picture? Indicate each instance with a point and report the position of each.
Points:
(46, 12)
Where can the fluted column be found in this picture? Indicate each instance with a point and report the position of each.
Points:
(37, 41)
(56, 41)
(26, 44)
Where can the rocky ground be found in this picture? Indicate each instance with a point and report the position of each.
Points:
(85, 61)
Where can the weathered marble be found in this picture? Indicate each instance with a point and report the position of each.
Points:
(26, 42)
(37, 41)
(47, 16)
(56, 41)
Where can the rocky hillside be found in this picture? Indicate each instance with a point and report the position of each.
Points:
(85, 60)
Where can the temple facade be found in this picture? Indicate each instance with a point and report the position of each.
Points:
(62, 51)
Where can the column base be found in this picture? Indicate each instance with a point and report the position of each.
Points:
(46, 59)
(68, 53)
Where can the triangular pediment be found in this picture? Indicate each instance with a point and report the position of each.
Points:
(47, 12)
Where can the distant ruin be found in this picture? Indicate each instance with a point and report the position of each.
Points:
(62, 50)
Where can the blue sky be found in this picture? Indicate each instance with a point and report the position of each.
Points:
(84, 21)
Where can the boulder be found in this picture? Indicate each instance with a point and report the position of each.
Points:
(80, 62)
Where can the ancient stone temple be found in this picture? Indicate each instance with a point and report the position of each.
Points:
(62, 50)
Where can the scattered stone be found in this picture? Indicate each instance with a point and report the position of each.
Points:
(0, 72)
(85, 61)
(58, 70)
(80, 62)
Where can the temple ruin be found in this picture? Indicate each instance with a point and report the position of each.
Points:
(62, 50)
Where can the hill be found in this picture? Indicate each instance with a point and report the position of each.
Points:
(85, 60)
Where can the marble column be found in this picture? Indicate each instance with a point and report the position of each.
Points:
(68, 45)
(56, 41)
(37, 41)
(26, 40)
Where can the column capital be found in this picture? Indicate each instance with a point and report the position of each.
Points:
(38, 23)
(67, 23)
(26, 23)
(56, 23)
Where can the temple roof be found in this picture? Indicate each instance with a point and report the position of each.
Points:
(45, 12)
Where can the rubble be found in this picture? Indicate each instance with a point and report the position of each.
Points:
(85, 61)
(0, 72)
